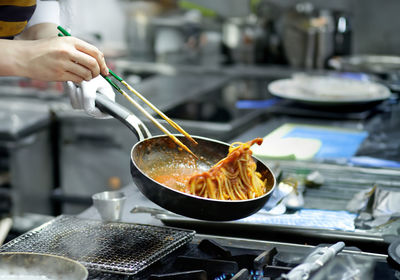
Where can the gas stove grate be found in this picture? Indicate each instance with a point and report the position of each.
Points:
(109, 247)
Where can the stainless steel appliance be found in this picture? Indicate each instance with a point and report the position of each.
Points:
(26, 157)
(144, 249)
(136, 251)
(92, 158)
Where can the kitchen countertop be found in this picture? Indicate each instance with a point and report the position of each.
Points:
(133, 198)
(383, 128)
(189, 81)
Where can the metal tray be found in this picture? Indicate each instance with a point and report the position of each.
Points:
(122, 248)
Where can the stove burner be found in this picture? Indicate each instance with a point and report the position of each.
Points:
(214, 267)
(187, 275)
(288, 259)
(221, 263)
(213, 248)
(212, 258)
(264, 258)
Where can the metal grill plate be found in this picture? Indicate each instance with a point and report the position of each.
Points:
(122, 248)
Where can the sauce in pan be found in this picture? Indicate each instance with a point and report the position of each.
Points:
(174, 177)
(234, 177)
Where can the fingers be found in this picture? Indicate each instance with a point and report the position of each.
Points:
(60, 59)
(71, 76)
(79, 70)
(94, 53)
(87, 56)
(83, 60)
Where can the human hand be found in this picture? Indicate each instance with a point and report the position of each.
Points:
(84, 95)
(60, 59)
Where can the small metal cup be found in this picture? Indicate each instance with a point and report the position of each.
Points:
(109, 204)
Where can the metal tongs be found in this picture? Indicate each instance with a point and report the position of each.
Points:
(314, 261)
(140, 108)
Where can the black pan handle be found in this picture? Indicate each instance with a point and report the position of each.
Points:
(123, 115)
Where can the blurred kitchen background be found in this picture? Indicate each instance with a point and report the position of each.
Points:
(194, 59)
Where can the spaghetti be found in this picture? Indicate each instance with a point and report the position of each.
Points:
(232, 178)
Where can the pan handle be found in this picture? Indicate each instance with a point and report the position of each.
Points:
(123, 115)
(152, 211)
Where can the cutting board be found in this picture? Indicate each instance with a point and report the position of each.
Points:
(304, 142)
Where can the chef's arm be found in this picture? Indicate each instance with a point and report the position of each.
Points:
(39, 31)
(51, 59)
(39, 54)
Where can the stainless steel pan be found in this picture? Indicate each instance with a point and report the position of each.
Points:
(19, 265)
(160, 152)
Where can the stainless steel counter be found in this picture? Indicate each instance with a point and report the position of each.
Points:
(169, 86)
(133, 198)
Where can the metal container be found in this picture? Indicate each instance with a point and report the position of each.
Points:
(308, 36)
(239, 36)
(109, 204)
(139, 29)
(21, 265)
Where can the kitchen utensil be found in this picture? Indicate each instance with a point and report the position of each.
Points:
(161, 152)
(314, 261)
(376, 64)
(343, 33)
(139, 30)
(27, 265)
(238, 35)
(308, 36)
(329, 91)
(109, 204)
(139, 107)
(122, 248)
(5, 227)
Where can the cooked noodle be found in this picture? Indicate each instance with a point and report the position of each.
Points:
(232, 178)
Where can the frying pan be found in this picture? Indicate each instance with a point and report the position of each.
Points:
(160, 152)
(21, 265)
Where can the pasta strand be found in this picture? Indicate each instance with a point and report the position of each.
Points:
(232, 178)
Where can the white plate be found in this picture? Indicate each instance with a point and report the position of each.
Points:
(328, 90)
